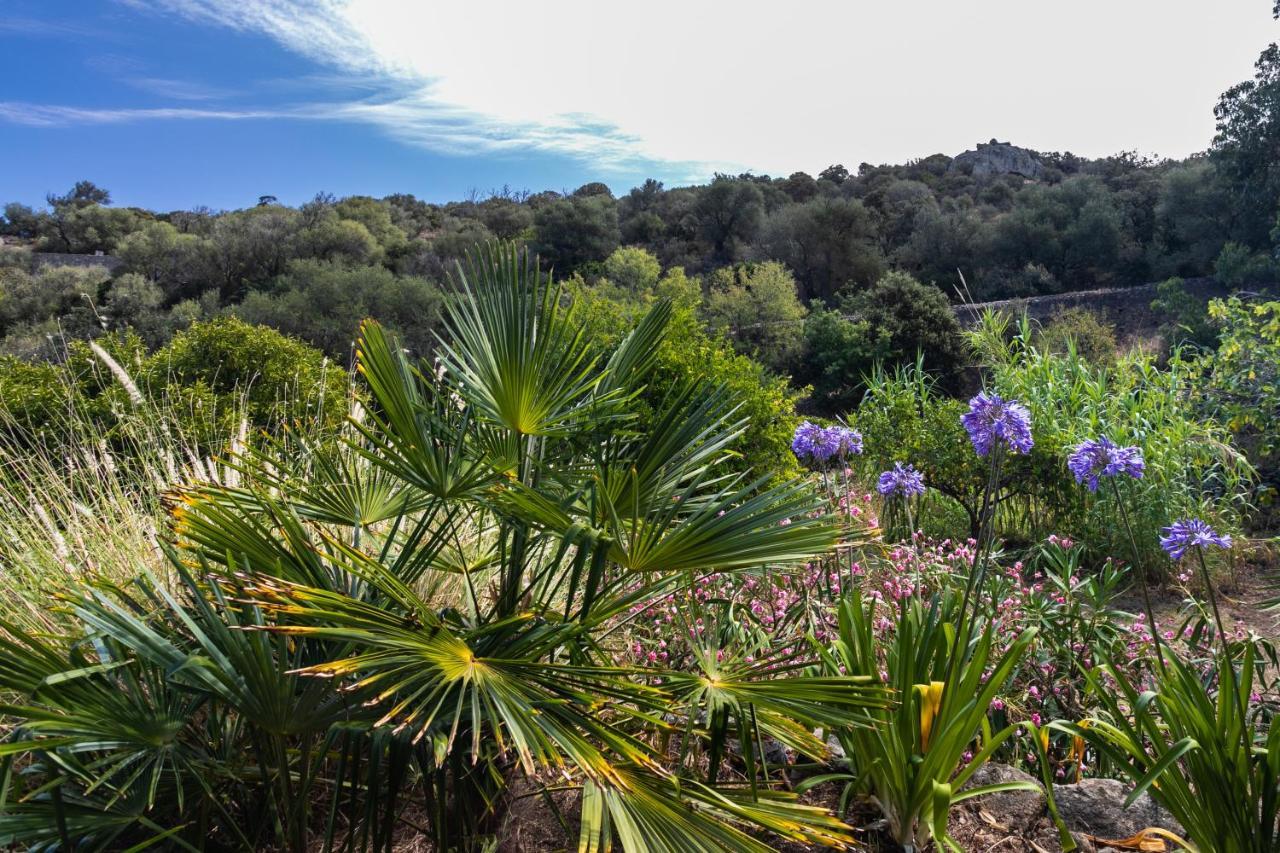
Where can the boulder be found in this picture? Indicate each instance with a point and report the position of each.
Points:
(1096, 807)
(1017, 811)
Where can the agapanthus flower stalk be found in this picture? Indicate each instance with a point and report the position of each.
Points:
(1101, 457)
(819, 445)
(1191, 533)
(992, 420)
(901, 481)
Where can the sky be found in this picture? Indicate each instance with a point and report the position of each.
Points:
(173, 104)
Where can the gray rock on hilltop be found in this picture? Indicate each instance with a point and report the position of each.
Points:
(997, 158)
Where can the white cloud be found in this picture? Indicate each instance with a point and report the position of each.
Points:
(768, 86)
(44, 115)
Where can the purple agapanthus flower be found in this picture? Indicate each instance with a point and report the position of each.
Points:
(1191, 533)
(849, 441)
(1104, 458)
(992, 420)
(902, 480)
(808, 439)
(819, 445)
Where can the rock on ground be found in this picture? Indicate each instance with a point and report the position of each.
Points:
(1096, 806)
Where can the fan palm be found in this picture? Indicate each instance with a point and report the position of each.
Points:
(434, 603)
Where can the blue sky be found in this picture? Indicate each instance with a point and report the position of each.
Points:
(177, 103)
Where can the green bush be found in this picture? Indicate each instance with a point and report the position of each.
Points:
(690, 354)
(204, 382)
(897, 322)
(219, 371)
(1081, 331)
(1192, 469)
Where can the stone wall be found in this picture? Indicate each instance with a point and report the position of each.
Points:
(59, 259)
(1128, 308)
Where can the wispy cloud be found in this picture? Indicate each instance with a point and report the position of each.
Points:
(179, 90)
(41, 27)
(407, 96)
(698, 85)
(46, 115)
(442, 129)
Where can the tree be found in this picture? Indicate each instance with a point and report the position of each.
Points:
(917, 321)
(134, 302)
(505, 218)
(60, 298)
(376, 218)
(83, 194)
(339, 240)
(250, 247)
(830, 243)
(728, 212)
(800, 186)
(756, 307)
(19, 221)
(323, 303)
(838, 355)
(633, 269)
(570, 233)
(179, 263)
(836, 174)
(1247, 147)
(82, 228)
(1193, 219)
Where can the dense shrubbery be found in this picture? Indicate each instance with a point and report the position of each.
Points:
(538, 557)
(206, 381)
(1192, 467)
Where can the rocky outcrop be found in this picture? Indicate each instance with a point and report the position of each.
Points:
(997, 158)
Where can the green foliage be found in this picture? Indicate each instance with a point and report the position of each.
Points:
(756, 307)
(634, 270)
(829, 242)
(1074, 229)
(178, 262)
(838, 355)
(211, 381)
(688, 354)
(897, 322)
(1244, 380)
(216, 372)
(916, 321)
(1186, 317)
(1238, 267)
(727, 214)
(1192, 470)
(1194, 749)
(1193, 218)
(322, 302)
(1242, 387)
(1246, 145)
(571, 233)
(917, 757)
(1079, 331)
(52, 302)
(420, 609)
